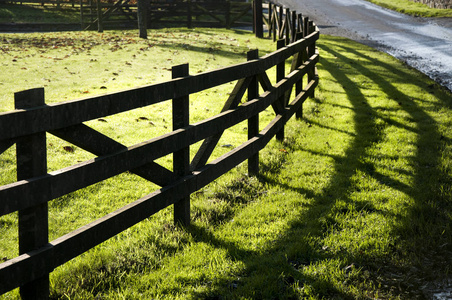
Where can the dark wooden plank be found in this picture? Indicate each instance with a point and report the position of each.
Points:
(270, 22)
(281, 23)
(181, 158)
(99, 20)
(300, 60)
(207, 147)
(42, 189)
(288, 26)
(25, 268)
(209, 13)
(99, 144)
(5, 145)
(239, 15)
(280, 74)
(267, 86)
(293, 26)
(189, 14)
(33, 221)
(306, 26)
(275, 23)
(300, 25)
(258, 21)
(253, 122)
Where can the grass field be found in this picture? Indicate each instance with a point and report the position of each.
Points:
(33, 13)
(414, 8)
(354, 204)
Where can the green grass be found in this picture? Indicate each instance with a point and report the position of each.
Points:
(414, 8)
(29, 13)
(354, 204)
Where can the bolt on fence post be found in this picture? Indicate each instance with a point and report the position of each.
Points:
(181, 158)
(253, 122)
(33, 222)
(280, 74)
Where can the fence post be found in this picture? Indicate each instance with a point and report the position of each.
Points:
(270, 19)
(276, 23)
(142, 7)
(258, 22)
(280, 74)
(311, 52)
(189, 14)
(305, 26)
(299, 85)
(294, 26)
(100, 27)
(181, 158)
(81, 15)
(288, 26)
(253, 122)
(33, 222)
(280, 22)
(300, 25)
(228, 14)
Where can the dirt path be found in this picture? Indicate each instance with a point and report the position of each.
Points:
(425, 44)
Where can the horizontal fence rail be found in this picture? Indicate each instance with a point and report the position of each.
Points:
(109, 14)
(27, 125)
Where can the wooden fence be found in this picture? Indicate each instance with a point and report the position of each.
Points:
(27, 126)
(161, 13)
(113, 14)
(104, 15)
(284, 23)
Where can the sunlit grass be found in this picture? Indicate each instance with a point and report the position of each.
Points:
(413, 8)
(354, 204)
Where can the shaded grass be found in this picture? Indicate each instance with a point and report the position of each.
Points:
(354, 204)
(414, 8)
(30, 13)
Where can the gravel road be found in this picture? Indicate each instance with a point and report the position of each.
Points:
(423, 43)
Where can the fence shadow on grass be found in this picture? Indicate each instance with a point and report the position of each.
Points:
(424, 226)
(421, 224)
(275, 256)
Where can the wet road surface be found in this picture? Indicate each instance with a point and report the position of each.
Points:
(423, 43)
